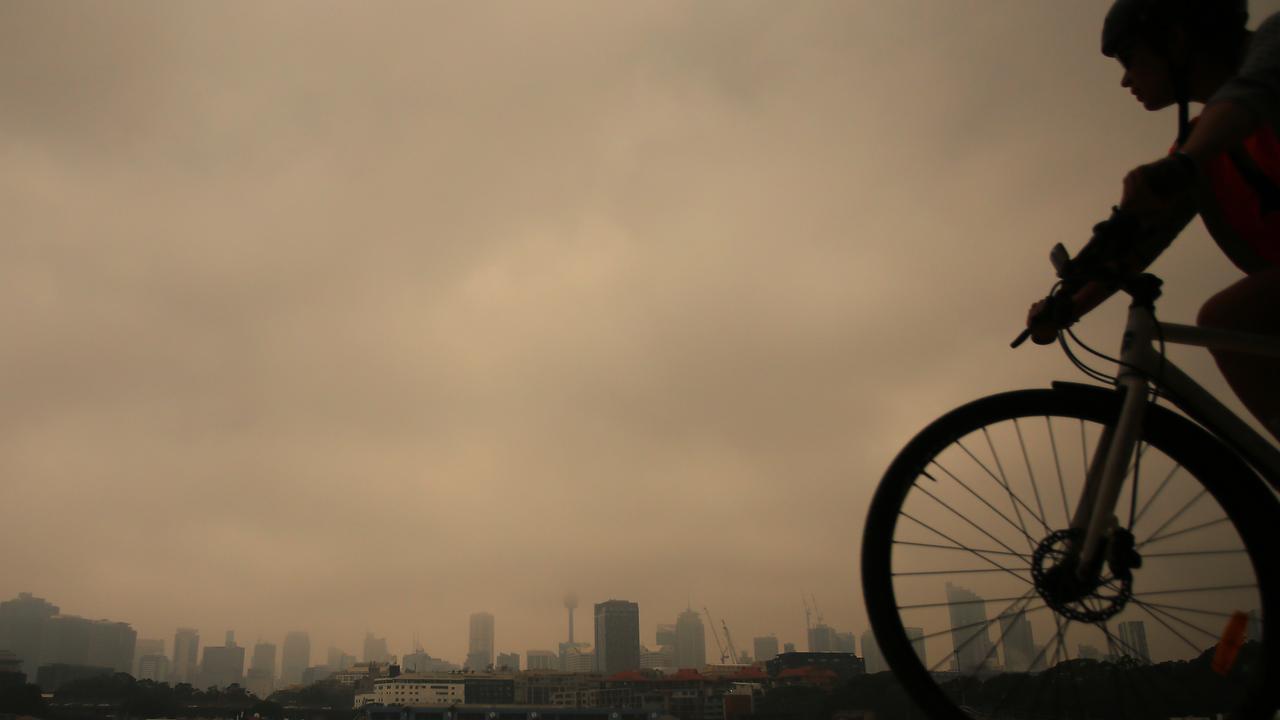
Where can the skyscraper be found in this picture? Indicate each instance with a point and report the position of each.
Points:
(264, 658)
(1019, 647)
(186, 648)
(766, 647)
(222, 666)
(916, 636)
(143, 648)
(22, 627)
(1133, 640)
(296, 657)
(871, 654)
(375, 650)
(970, 636)
(261, 677)
(822, 638)
(480, 646)
(617, 636)
(691, 641)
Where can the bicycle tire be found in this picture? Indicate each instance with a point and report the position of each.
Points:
(1250, 512)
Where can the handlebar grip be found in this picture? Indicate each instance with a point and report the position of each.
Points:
(1022, 337)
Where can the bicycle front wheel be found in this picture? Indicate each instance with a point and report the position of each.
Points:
(972, 518)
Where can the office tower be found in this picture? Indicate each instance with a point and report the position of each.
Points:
(970, 636)
(375, 650)
(143, 648)
(915, 636)
(72, 640)
(541, 660)
(264, 658)
(660, 659)
(617, 636)
(577, 658)
(578, 648)
(871, 654)
(186, 647)
(1088, 652)
(1133, 640)
(22, 626)
(1019, 647)
(846, 642)
(480, 645)
(222, 666)
(766, 647)
(153, 667)
(788, 647)
(690, 641)
(296, 657)
(509, 662)
(822, 638)
(112, 645)
(339, 660)
(570, 604)
(261, 677)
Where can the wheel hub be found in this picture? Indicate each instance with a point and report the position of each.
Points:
(1094, 598)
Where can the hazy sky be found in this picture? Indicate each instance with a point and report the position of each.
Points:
(347, 316)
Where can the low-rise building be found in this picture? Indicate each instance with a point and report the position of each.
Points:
(415, 690)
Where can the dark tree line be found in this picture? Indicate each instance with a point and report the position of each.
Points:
(1124, 690)
(120, 695)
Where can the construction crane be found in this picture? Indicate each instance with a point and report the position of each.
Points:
(816, 611)
(711, 621)
(728, 640)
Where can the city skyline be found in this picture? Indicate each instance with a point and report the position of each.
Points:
(305, 297)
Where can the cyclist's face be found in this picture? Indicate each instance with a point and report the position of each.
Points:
(1146, 74)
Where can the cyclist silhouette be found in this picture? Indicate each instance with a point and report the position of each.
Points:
(1224, 166)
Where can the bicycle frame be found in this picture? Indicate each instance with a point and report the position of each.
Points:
(1141, 364)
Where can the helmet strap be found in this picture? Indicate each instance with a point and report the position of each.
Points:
(1181, 76)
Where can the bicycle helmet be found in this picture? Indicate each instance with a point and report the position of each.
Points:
(1209, 22)
(1129, 20)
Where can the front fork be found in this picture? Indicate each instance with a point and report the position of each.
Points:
(1095, 516)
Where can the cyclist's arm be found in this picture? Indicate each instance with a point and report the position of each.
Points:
(1155, 238)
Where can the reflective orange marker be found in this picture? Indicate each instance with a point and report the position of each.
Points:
(1229, 645)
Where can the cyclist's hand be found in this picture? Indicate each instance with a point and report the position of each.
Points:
(1044, 329)
(1158, 187)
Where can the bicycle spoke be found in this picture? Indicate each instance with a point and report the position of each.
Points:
(922, 606)
(983, 500)
(965, 571)
(1017, 501)
(1201, 611)
(1014, 500)
(947, 537)
(1057, 464)
(1188, 553)
(1023, 556)
(1150, 610)
(1170, 628)
(940, 633)
(1184, 531)
(1151, 500)
(1176, 515)
(960, 515)
(1147, 593)
(1031, 474)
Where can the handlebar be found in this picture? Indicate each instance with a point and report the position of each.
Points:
(1100, 260)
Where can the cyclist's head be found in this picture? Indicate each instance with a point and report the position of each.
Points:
(1211, 26)
(1165, 44)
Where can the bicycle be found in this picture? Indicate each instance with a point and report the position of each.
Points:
(1100, 506)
